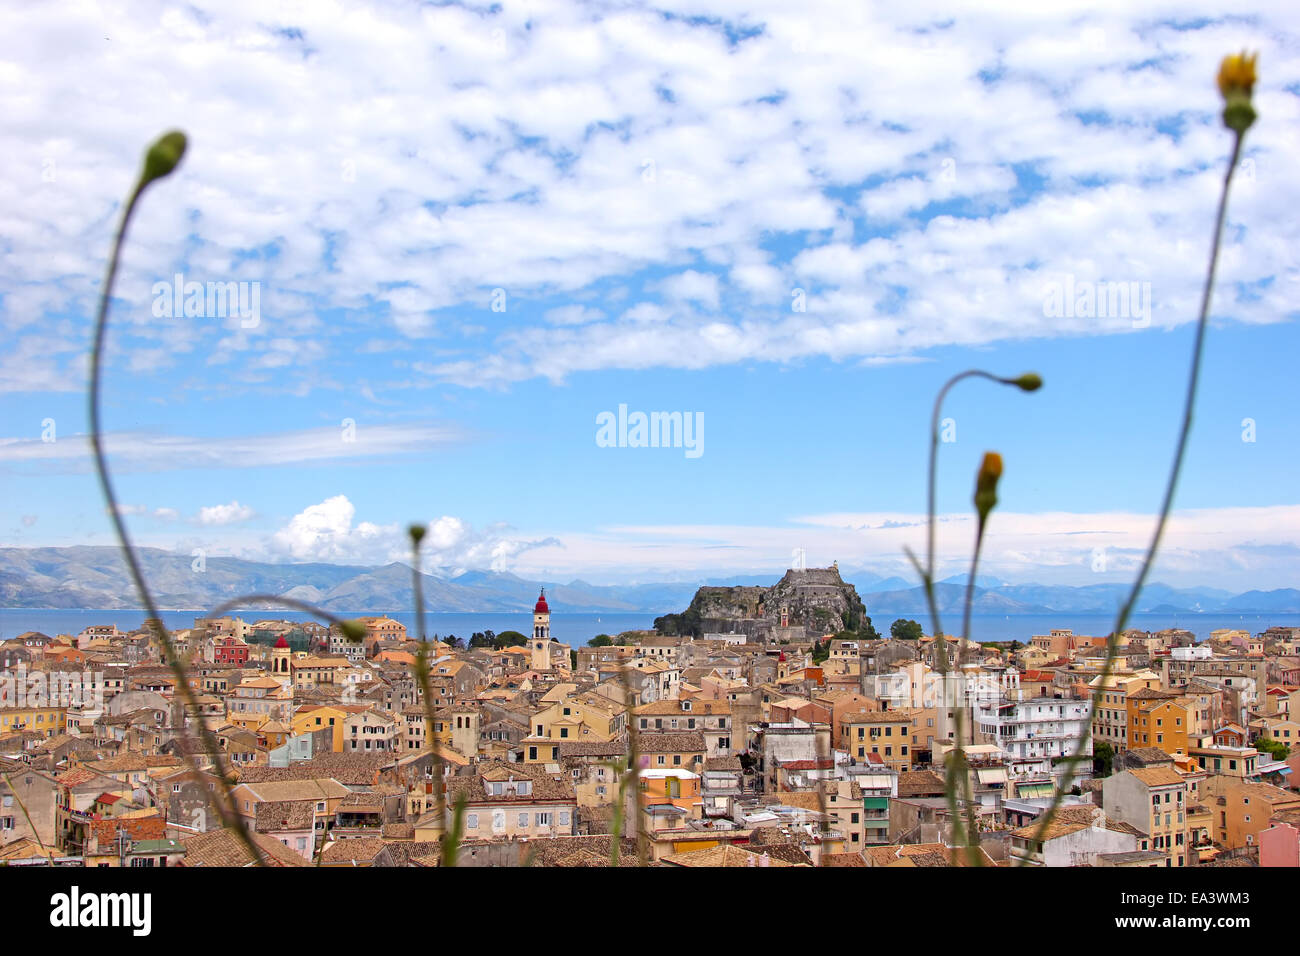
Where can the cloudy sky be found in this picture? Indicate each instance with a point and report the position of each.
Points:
(458, 234)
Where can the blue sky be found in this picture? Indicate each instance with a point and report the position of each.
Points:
(472, 230)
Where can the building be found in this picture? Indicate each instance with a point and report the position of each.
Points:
(1242, 811)
(1154, 801)
(1035, 734)
(885, 733)
(508, 801)
(541, 639)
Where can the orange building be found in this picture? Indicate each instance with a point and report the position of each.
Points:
(1159, 719)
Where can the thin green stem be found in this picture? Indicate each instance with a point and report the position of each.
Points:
(972, 854)
(928, 576)
(229, 813)
(1189, 403)
(450, 837)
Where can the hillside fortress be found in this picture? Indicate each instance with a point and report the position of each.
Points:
(805, 603)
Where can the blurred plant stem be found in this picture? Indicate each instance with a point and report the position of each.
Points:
(450, 837)
(1112, 641)
(161, 158)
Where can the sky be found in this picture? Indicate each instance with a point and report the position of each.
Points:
(437, 245)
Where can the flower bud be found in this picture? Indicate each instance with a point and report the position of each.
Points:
(1029, 382)
(162, 157)
(416, 531)
(354, 631)
(986, 484)
(1237, 84)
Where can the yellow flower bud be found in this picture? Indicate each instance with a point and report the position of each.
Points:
(986, 484)
(1237, 74)
(1237, 84)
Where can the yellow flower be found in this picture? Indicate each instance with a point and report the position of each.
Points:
(1237, 74)
(1237, 83)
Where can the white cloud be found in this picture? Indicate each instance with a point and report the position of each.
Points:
(692, 286)
(1227, 547)
(232, 513)
(573, 315)
(327, 532)
(142, 451)
(546, 149)
(324, 532)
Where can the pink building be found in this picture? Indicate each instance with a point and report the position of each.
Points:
(1279, 845)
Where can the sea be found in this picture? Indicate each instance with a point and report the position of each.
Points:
(577, 629)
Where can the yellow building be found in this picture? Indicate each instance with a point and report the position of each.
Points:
(1158, 719)
(44, 720)
(1242, 810)
(314, 717)
(588, 716)
(887, 733)
(669, 798)
(1111, 717)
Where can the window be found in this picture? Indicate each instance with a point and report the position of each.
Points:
(471, 821)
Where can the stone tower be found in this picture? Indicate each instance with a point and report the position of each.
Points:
(281, 655)
(465, 726)
(541, 634)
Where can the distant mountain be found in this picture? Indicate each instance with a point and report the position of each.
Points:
(951, 599)
(887, 584)
(95, 577)
(1281, 600)
(981, 580)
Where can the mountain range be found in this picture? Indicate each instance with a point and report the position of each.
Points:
(95, 577)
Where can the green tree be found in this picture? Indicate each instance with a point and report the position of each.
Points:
(1268, 745)
(1103, 759)
(686, 624)
(821, 650)
(509, 639)
(600, 640)
(905, 629)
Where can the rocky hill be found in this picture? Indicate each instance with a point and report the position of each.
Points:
(807, 602)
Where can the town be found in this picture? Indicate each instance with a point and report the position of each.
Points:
(775, 743)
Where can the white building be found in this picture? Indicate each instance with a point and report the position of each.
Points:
(1035, 735)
